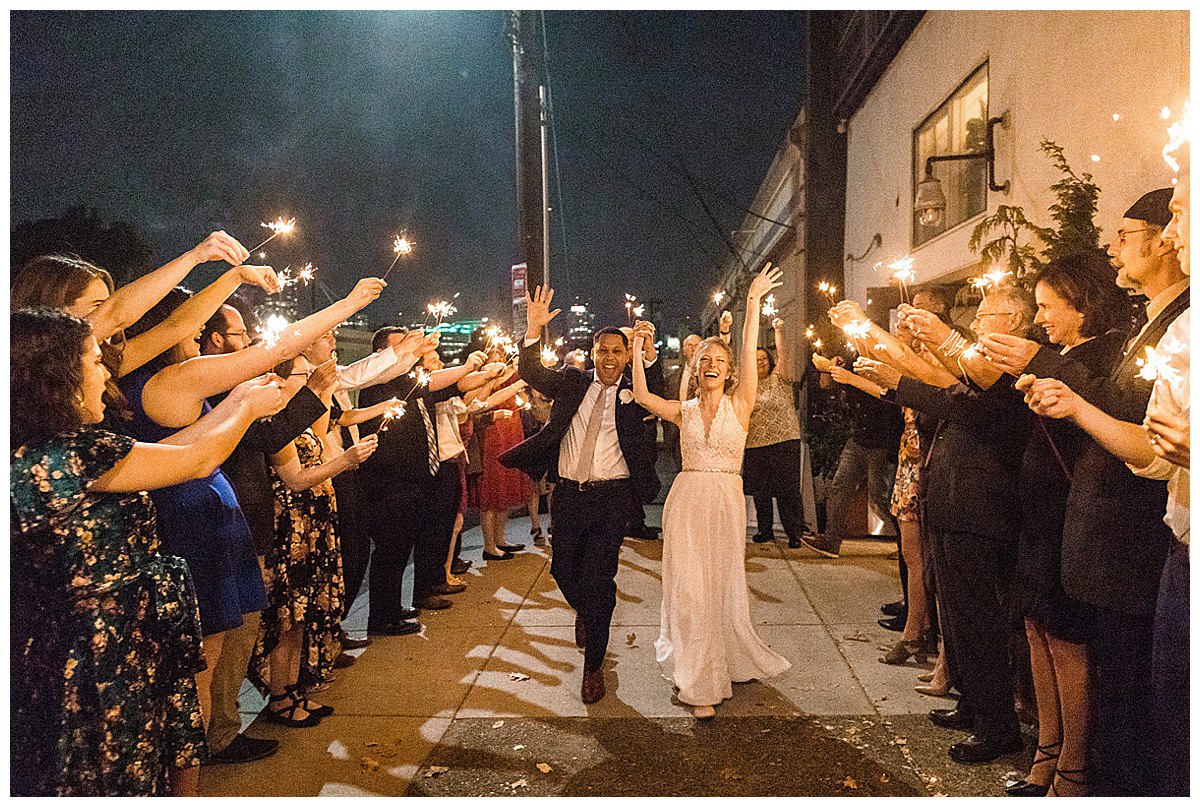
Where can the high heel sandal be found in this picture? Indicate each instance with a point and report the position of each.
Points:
(1066, 776)
(320, 711)
(536, 534)
(1024, 787)
(902, 650)
(286, 716)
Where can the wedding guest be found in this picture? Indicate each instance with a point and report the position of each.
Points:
(1114, 541)
(771, 472)
(105, 632)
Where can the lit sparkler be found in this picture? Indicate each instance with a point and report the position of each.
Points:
(1179, 133)
(396, 410)
(278, 227)
(809, 332)
(769, 308)
(630, 300)
(401, 245)
(996, 275)
(902, 271)
(829, 290)
(549, 357)
(1157, 365)
(817, 345)
(638, 310)
(273, 329)
(718, 297)
(305, 275)
(857, 330)
(441, 310)
(981, 283)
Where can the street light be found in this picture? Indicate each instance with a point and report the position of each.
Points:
(931, 201)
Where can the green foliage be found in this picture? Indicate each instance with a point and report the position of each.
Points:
(1073, 212)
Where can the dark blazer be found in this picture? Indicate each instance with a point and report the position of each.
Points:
(247, 468)
(567, 388)
(403, 453)
(1114, 540)
(970, 475)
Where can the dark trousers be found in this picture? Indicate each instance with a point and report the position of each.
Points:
(972, 574)
(1122, 748)
(409, 518)
(589, 527)
(875, 467)
(1169, 672)
(769, 473)
(353, 534)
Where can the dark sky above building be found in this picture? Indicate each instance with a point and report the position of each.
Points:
(361, 124)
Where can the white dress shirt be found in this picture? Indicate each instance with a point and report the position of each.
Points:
(363, 373)
(450, 443)
(608, 462)
(1172, 396)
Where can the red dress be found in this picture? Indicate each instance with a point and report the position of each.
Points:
(502, 488)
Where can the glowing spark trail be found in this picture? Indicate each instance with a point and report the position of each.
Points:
(278, 227)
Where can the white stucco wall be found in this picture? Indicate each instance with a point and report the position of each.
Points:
(1060, 75)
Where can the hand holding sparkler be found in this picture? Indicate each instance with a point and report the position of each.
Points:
(395, 411)
(1011, 354)
(924, 325)
(219, 246)
(1170, 436)
(884, 375)
(358, 453)
(1049, 397)
(262, 276)
(366, 291)
(278, 227)
(847, 312)
(725, 323)
(323, 377)
(262, 396)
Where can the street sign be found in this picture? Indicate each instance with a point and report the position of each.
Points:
(520, 286)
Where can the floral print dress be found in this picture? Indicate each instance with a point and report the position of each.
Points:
(105, 631)
(303, 574)
(905, 504)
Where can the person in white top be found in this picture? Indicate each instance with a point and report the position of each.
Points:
(706, 630)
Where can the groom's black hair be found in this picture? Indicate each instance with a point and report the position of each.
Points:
(611, 331)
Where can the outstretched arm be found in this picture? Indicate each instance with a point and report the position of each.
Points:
(540, 377)
(657, 405)
(747, 388)
(127, 304)
(297, 477)
(1126, 441)
(783, 353)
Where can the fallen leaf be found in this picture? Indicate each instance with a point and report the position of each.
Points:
(516, 676)
(544, 768)
(435, 770)
(630, 638)
(518, 747)
(899, 741)
(498, 724)
(731, 774)
(885, 778)
(374, 745)
(369, 764)
(518, 783)
(849, 782)
(857, 637)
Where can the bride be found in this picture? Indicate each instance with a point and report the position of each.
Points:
(705, 622)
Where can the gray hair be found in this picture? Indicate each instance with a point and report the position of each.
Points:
(1021, 301)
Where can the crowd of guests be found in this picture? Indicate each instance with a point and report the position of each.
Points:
(196, 501)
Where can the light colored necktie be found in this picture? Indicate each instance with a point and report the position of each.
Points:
(587, 452)
(435, 459)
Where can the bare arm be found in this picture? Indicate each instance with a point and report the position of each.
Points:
(667, 410)
(297, 477)
(174, 395)
(747, 388)
(353, 417)
(158, 465)
(843, 376)
(783, 353)
(497, 398)
(129, 303)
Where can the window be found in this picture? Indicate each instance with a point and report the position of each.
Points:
(959, 126)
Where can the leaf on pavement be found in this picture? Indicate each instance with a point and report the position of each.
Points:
(630, 638)
(857, 637)
(849, 783)
(516, 676)
(544, 768)
(498, 724)
(518, 783)
(369, 764)
(435, 770)
(731, 774)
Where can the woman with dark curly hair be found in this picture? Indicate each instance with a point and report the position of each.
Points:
(1084, 312)
(105, 634)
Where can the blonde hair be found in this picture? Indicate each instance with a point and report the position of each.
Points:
(731, 380)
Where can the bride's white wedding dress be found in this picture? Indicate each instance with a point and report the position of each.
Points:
(706, 630)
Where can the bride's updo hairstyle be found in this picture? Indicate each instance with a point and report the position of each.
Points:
(731, 379)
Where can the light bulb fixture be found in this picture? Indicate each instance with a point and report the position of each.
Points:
(930, 203)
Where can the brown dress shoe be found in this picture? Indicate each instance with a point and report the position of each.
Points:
(580, 634)
(592, 689)
(446, 588)
(343, 660)
(432, 603)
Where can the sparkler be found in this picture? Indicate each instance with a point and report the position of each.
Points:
(273, 329)
(718, 296)
(441, 310)
(996, 275)
(629, 301)
(305, 274)
(829, 290)
(401, 245)
(969, 352)
(278, 227)
(768, 306)
(549, 357)
(638, 310)
(809, 332)
(857, 330)
(1179, 133)
(902, 271)
(981, 283)
(396, 410)
(817, 345)
(1157, 366)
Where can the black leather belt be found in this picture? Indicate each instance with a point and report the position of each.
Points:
(596, 484)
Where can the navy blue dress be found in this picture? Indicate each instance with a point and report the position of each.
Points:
(201, 522)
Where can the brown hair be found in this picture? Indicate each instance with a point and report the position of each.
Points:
(45, 373)
(55, 281)
(731, 381)
(1088, 283)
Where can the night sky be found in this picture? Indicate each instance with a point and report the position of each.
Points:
(361, 124)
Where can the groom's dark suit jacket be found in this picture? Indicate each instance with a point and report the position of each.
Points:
(567, 387)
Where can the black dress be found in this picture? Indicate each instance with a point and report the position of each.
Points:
(1045, 483)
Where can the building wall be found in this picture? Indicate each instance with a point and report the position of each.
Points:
(1059, 75)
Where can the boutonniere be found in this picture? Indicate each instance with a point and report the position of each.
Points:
(625, 396)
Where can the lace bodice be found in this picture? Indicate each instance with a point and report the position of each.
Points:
(721, 449)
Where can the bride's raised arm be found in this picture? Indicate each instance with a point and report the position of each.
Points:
(747, 387)
(663, 408)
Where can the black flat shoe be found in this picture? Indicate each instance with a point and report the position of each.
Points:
(976, 749)
(894, 608)
(459, 566)
(762, 539)
(397, 629)
(407, 614)
(319, 711)
(895, 623)
(951, 719)
(243, 749)
(502, 556)
(510, 547)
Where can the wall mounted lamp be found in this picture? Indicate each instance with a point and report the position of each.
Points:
(931, 201)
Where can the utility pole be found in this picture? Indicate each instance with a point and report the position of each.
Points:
(528, 93)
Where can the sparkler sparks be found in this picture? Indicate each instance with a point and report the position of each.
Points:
(1179, 132)
(630, 301)
(902, 271)
(273, 329)
(809, 332)
(549, 357)
(857, 330)
(401, 245)
(1157, 366)
(305, 275)
(718, 297)
(396, 410)
(769, 308)
(829, 290)
(441, 310)
(278, 227)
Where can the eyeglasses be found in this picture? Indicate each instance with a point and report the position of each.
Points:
(994, 314)
(227, 334)
(1121, 234)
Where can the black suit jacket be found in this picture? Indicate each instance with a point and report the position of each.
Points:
(567, 388)
(1114, 540)
(403, 453)
(970, 475)
(247, 467)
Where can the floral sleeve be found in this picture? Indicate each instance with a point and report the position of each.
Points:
(50, 479)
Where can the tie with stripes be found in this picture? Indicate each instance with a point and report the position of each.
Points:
(435, 461)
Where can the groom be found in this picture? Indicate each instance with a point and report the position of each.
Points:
(599, 448)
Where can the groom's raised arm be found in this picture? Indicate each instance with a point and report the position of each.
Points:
(537, 375)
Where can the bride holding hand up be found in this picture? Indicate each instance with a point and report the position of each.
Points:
(706, 630)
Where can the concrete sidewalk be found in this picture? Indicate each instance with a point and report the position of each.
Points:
(490, 690)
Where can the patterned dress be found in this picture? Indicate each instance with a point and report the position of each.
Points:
(303, 574)
(908, 471)
(105, 631)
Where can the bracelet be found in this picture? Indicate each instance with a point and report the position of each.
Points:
(723, 333)
(957, 348)
(954, 342)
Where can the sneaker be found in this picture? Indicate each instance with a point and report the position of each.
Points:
(243, 749)
(822, 545)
